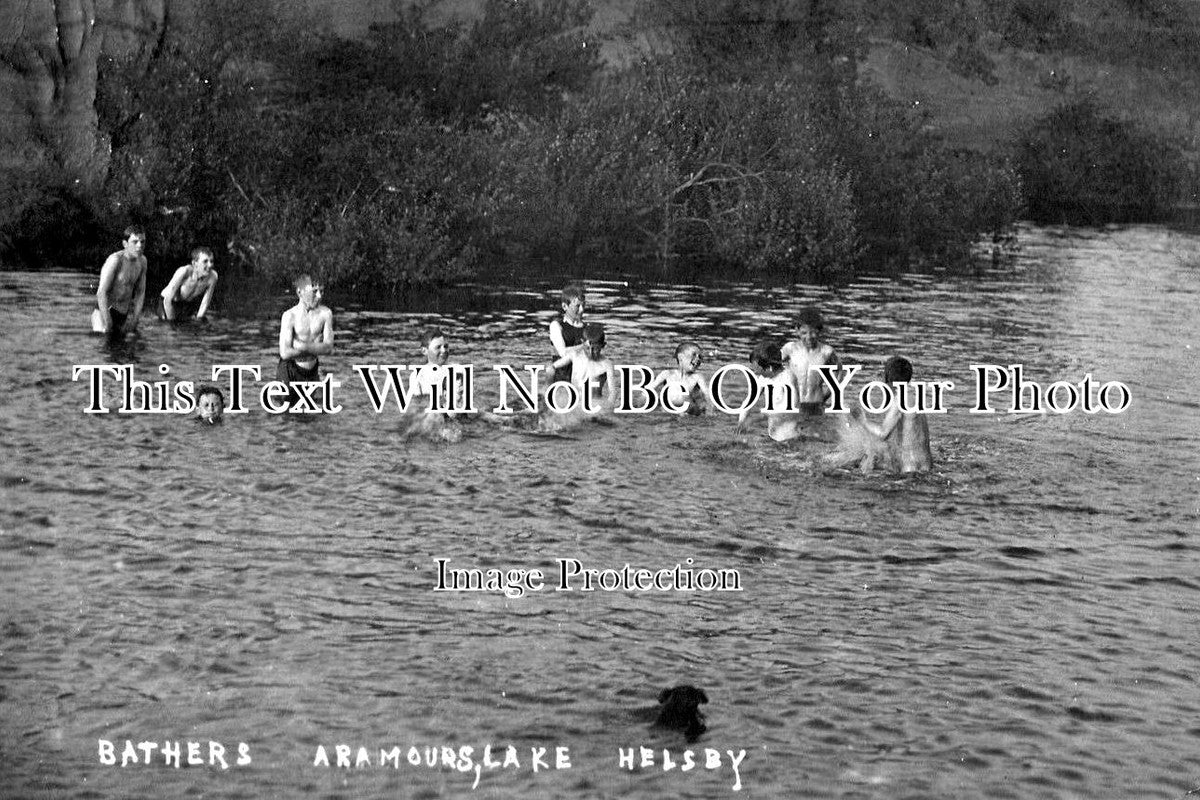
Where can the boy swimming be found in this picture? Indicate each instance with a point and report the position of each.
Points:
(684, 385)
(777, 387)
(430, 386)
(432, 379)
(210, 405)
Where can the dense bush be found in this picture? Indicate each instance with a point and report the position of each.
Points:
(1082, 163)
(916, 199)
(756, 183)
(412, 156)
(42, 218)
(520, 55)
(381, 197)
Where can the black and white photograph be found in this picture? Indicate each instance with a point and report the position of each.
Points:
(599, 399)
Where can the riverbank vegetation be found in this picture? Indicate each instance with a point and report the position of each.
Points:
(744, 141)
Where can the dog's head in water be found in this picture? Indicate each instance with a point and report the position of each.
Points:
(681, 710)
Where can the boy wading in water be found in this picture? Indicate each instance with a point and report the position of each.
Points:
(591, 372)
(684, 387)
(122, 288)
(906, 433)
(803, 354)
(190, 291)
(778, 387)
(566, 331)
(899, 442)
(305, 332)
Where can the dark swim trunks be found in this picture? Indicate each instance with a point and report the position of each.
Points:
(185, 310)
(288, 371)
(116, 330)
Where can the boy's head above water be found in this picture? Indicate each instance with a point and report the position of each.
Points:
(593, 334)
(810, 326)
(573, 300)
(811, 318)
(308, 291)
(433, 342)
(210, 404)
(897, 369)
(687, 355)
(767, 355)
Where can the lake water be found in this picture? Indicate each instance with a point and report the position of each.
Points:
(1021, 623)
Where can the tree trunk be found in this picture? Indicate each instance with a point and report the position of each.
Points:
(53, 48)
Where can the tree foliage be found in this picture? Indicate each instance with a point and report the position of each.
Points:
(1081, 162)
(415, 154)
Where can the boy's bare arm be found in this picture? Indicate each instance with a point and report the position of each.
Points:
(208, 294)
(287, 336)
(139, 297)
(325, 346)
(108, 274)
(885, 427)
(559, 363)
(743, 416)
(556, 338)
(172, 289)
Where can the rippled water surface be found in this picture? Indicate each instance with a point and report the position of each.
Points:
(1021, 623)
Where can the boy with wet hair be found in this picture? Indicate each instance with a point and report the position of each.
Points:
(590, 371)
(777, 393)
(431, 379)
(684, 385)
(803, 354)
(305, 333)
(898, 443)
(122, 288)
(190, 290)
(906, 433)
(210, 405)
(566, 330)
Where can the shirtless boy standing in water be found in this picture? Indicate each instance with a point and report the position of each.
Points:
(122, 288)
(305, 332)
(803, 355)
